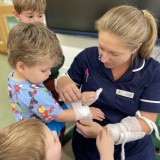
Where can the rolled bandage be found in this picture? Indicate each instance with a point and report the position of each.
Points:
(98, 92)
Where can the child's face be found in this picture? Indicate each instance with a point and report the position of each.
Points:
(53, 146)
(30, 16)
(38, 73)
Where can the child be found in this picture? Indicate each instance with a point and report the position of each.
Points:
(29, 140)
(32, 51)
(105, 144)
(32, 140)
(28, 11)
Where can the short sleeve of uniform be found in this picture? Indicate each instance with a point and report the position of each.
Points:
(150, 99)
(83, 60)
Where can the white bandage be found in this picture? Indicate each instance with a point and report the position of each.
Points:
(98, 92)
(127, 130)
(83, 112)
(151, 125)
(130, 130)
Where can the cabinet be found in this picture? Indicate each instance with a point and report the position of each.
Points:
(7, 21)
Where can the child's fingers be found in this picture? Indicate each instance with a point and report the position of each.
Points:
(99, 111)
(99, 117)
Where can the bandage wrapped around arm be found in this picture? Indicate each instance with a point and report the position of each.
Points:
(83, 112)
(127, 130)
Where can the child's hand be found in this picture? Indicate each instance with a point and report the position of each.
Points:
(88, 97)
(105, 144)
(97, 114)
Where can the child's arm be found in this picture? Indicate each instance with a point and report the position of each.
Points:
(70, 115)
(45, 107)
(105, 145)
(84, 112)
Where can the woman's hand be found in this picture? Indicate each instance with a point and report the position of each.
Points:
(105, 144)
(67, 90)
(88, 129)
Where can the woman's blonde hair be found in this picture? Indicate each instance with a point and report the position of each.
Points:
(24, 140)
(32, 5)
(33, 43)
(133, 26)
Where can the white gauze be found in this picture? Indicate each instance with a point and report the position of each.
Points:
(127, 130)
(83, 112)
(130, 130)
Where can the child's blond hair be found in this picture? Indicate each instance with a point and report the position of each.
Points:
(24, 140)
(31, 44)
(32, 5)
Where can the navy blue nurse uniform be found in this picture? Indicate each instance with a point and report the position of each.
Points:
(142, 80)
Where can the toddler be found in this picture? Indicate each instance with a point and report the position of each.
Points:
(32, 51)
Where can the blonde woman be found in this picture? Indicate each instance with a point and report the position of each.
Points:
(130, 78)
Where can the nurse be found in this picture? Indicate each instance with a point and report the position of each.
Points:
(130, 78)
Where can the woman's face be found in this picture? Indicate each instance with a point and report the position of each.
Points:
(112, 52)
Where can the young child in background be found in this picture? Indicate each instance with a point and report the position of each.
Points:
(31, 139)
(29, 11)
(32, 51)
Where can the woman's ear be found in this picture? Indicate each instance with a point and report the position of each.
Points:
(20, 66)
(16, 14)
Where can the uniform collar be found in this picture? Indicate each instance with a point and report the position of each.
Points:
(138, 63)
